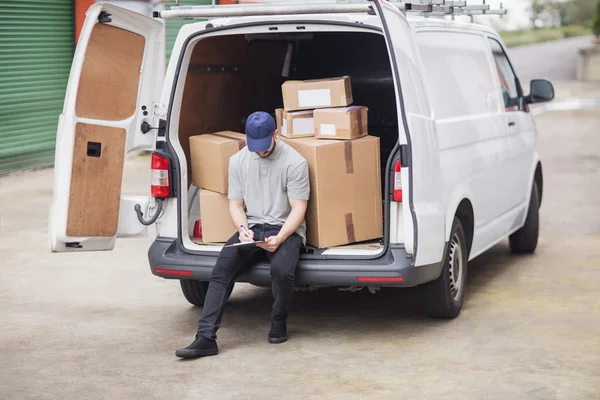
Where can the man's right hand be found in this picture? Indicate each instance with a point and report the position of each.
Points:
(244, 238)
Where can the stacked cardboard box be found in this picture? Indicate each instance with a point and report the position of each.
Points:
(316, 93)
(210, 154)
(319, 107)
(345, 190)
(341, 123)
(345, 173)
(295, 124)
(214, 214)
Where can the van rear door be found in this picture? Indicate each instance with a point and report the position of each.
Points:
(110, 94)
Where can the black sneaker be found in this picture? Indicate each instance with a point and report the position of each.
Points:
(278, 332)
(200, 347)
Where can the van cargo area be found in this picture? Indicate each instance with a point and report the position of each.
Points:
(231, 76)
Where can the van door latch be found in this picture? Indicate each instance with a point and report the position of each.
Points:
(162, 126)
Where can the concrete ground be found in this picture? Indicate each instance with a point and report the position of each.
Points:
(100, 326)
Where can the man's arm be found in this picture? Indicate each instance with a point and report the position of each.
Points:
(236, 202)
(238, 216)
(292, 223)
(294, 220)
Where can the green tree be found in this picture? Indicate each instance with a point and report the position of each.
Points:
(577, 12)
(596, 22)
(545, 12)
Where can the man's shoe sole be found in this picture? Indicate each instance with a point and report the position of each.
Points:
(184, 353)
(277, 340)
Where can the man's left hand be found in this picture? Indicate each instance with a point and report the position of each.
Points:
(272, 244)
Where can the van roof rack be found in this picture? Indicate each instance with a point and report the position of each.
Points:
(451, 7)
(422, 7)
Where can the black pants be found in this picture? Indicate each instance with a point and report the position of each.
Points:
(234, 261)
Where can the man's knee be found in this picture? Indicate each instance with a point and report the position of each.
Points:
(225, 267)
(282, 273)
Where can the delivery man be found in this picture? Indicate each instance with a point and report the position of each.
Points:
(268, 195)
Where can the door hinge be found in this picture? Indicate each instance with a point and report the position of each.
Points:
(162, 127)
(404, 155)
(104, 17)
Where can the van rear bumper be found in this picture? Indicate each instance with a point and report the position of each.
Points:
(394, 268)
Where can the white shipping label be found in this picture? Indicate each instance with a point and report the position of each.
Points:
(284, 130)
(314, 98)
(303, 126)
(328, 129)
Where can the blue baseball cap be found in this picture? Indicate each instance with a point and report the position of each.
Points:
(260, 128)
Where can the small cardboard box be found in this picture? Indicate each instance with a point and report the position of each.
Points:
(341, 123)
(317, 93)
(345, 203)
(214, 214)
(210, 154)
(295, 124)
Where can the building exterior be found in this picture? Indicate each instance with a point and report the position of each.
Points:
(36, 48)
(37, 42)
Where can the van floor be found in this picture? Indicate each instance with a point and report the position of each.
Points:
(366, 245)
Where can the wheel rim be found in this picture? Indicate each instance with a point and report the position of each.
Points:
(456, 267)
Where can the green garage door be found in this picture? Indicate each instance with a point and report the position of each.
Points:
(36, 50)
(173, 25)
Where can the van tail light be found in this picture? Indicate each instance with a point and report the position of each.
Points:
(397, 182)
(161, 181)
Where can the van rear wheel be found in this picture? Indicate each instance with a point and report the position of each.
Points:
(195, 291)
(524, 241)
(444, 297)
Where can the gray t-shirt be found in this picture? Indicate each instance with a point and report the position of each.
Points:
(267, 184)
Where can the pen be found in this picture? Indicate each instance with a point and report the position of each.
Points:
(246, 231)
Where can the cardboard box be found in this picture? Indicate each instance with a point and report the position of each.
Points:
(214, 214)
(295, 124)
(317, 93)
(210, 154)
(345, 203)
(341, 123)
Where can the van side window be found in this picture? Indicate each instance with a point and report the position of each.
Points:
(459, 74)
(506, 75)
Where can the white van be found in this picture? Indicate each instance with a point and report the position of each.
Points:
(459, 166)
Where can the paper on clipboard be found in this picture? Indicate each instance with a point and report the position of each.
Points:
(245, 244)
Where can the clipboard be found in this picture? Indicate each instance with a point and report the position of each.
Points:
(245, 244)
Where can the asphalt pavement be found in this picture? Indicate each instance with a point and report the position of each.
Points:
(555, 61)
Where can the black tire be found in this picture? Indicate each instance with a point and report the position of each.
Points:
(444, 297)
(195, 291)
(524, 241)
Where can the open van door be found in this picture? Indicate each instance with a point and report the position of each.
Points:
(111, 92)
(423, 209)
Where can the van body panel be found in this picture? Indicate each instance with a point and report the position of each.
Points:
(520, 125)
(487, 236)
(476, 154)
(426, 190)
(111, 91)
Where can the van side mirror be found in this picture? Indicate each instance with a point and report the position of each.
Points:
(541, 91)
